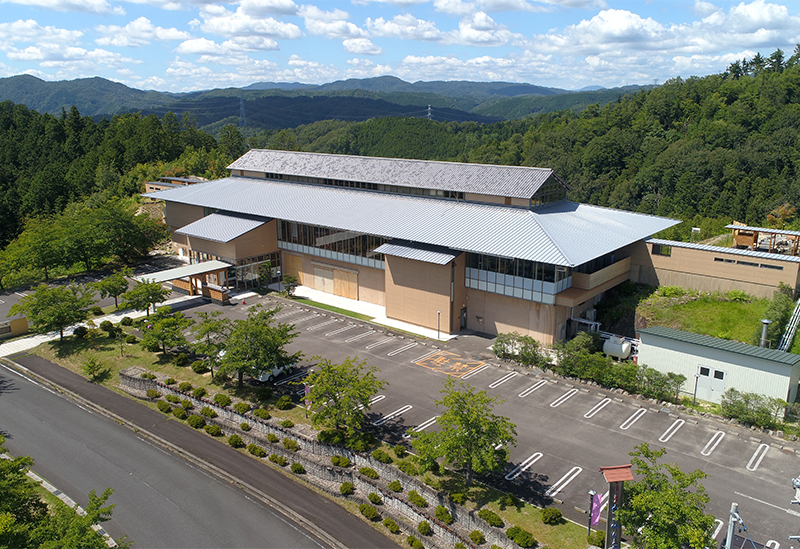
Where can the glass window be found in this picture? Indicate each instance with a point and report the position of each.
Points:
(704, 371)
(718, 374)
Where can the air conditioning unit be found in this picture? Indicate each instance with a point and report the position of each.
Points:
(591, 315)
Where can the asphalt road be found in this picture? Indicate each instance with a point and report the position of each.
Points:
(163, 501)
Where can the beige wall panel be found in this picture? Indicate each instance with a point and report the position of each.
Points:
(415, 290)
(474, 197)
(459, 293)
(293, 266)
(246, 173)
(221, 249)
(502, 314)
(259, 241)
(179, 215)
(323, 280)
(345, 284)
(370, 281)
(520, 202)
(371, 285)
(19, 326)
(593, 280)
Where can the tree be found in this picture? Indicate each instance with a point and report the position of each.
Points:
(290, 284)
(166, 330)
(231, 141)
(211, 334)
(66, 528)
(256, 346)
(144, 294)
(48, 309)
(114, 285)
(339, 394)
(664, 508)
(469, 433)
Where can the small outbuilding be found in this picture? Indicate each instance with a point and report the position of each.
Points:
(712, 365)
(11, 325)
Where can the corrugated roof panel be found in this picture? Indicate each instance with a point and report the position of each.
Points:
(418, 252)
(763, 230)
(180, 272)
(721, 344)
(722, 250)
(511, 181)
(221, 227)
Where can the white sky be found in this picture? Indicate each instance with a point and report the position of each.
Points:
(183, 45)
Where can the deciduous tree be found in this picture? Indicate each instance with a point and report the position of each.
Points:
(143, 295)
(211, 334)
(54, 308)
(114, 285)
(165, 330)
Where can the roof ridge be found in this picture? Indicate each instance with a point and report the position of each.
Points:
(534, 214)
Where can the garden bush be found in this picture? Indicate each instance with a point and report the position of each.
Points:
(80, 332)
(551, 515)
(375, 499)
(290, 444)
(347, 488)
(172, 398)
(369, 472)
(444, 515)
(261, 413)
(510, 500)
(298, 469)
(169, 381)
(221, 399)
(97, 310)
(331, 436)
(424, 528)
(108, 327)
(164, 406)
(432, 482)
(130, 339)
(396, 486)
(340, 461)
(414, 543)
(523, 538)
(195, 421)
(213, 430)
(199, 367)
(181, 359)
(257, 451)
(287, 423)
(382, 456)
(185, 386)
(152, 393)
(477, 537)
(400, 451)
(597, 538)
(284, 403)
(236, 441)
(126, 321)
(148, 375)
(200, 392)
(391, 525)
(491, 517)
(179, 413)
(241, 407)
(208, 411)
(369, 512)
(279, 460)
(459, 545)
(408, 468)
(416, 499)
(272, 438)
(244, 426)
(187, 404)
(751, 408)
(459, 498)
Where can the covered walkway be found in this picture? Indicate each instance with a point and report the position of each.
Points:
(194, 279)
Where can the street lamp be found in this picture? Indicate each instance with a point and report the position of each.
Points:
(592, 493)
(438, 322)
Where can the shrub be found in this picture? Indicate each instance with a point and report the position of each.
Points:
(241, 407)
(458, 498)
(396, 486)
(172, 398)
(382, 456)
(369, 512)
(523, 538)
(424, 528)
(416, 499)
(179, 413)
(491, 517)
(263, 394)
(107, 327)
(340, 461)
(298, 469)
(236, 441)
(290, 444)
(181, 359)
(459, 545)
(751, 408)
(477, 537)
(126, 321)
(391, 525)
(169, 381)
(187, 404)
(148, 375)
(375, 499)
(272, 438)
(152, 393)
(331, 436)
(199, 367)
(164, 406)
(185, 386)
(97, 310)
(510, 500)
(261, 413)
(208, 412)
(361, 442)
(200, 392)
(512, 532)
(432, 482)
(257, 451)
(284, 403)
(400, 451)
(213, 430)
(444, 515)
(195, 421)
(347, 488)
(221, 399)
(414, 543)
(408, 468)
(551, 515)
(369, 472)
(597, 538)
(130, 339)
(287, 423)
(80, 332)
(244, 426)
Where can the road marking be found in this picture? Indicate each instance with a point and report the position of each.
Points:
(532, 388)
(604, 502)
(474, 372)
(563, 481)
(359, 336)
(711, 445)
(422, 426)
(381, 342)
(503, 379)
(522, 467)
(393, 415)
(772, 544)
(372, 401)
(340, 330)
(597, 407)
(21, 294)
(292, 378)
(306, 318)
(789, 511)
(758, 455)
(677, 424)
(423, 357)
(402, 349)
(290, 313)
(318, 326)
(633, 419)
(563, 398)
(717, 528)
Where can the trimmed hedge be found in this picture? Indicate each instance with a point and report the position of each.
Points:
(185, 386)
(181, 359)
(236, 441)
(241, 407)
(199, 367)
(340, 461)
(369, 512)
(290, 444)
(597, 538)
(169, 381)
(369, 472)
(414, 543)
(477, 537)
(126, 321)
(459, 498)
(261, 413)
(551, 515)
(396, 486)
(179, 413)
(164, 407)
(130, 339)
(382, 456)
(172, 398)
(148, 375)
(287, 423)
(152, 393)
(375, 499)
(491, 517)
(391, 525)
(187, 404)
(244, 426)
(284, 403)
(347, 488)
(416, 499)
(257, 451)
(408, 468)
(279, 460)
(213, 430)
(272, 437)
(221, 399)
(444, 515)
(298, 469)
(196, 422)
(424, 528)
(521, 537)
(200, 392)
(208, 412)
(400, 451)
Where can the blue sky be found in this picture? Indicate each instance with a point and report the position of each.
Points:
(184, 45)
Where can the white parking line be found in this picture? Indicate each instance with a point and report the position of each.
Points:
(340, 330)
(789, 511)
(717, 528)
(633, 419)
(318, 326)
(772, 544)
(401, 349)
(712, 443)
(359, 336)
(305, 319)
(597, 407)
(372, 401)
(532, 388)
(563, 481)
(426, 355)
(21, 294)
(603, 502)
(677, 424)
(393, 415)
(290, 313)
(758, 455)
(522, 467)
(503, 380)
(563, 398)
(475, 372)
(292, 378)
(422, 426)
(381, 342)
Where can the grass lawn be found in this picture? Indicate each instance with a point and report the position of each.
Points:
(331, 308)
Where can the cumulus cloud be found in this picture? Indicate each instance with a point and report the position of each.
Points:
(401, 3)
(30, 31)
(404, 26)
(263, 7)
(137, 33)
(90, 6)
(482, 30)
(361, 46)
(204, 46)
(330, 24)
(467, 8)
(221, 21)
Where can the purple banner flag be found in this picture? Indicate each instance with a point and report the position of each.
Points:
(306, 391)
(596, 505)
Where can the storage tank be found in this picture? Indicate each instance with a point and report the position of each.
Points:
(617, 347)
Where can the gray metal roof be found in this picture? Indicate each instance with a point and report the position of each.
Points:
(736, 347)
(724, 250)
(510, 181)
(563, 233)
(763, 230)
(419, 252)
(221, 227)
(181, 272)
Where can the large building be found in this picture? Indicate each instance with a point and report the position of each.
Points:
(460, 246)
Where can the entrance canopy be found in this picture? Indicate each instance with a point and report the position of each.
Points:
(183, 272)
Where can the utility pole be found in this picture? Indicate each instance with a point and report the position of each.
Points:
(430, 116)
(732, 519)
